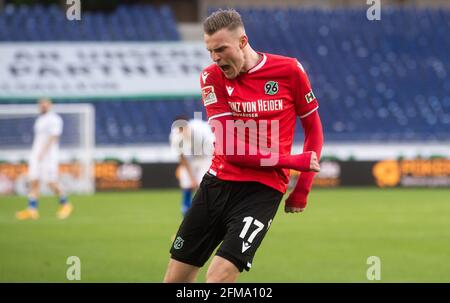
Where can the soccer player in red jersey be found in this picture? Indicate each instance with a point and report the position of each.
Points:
(252, 100)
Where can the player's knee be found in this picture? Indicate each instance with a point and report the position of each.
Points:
(171, 277)
(178, 272)
(223, 272)
(221, 275)
(177, 277)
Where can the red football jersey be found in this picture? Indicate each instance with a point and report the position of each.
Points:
(276, 90)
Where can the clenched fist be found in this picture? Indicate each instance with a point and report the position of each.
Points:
(314, 164)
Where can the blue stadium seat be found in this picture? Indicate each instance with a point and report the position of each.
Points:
(49, 23)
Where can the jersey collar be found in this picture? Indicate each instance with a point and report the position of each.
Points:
(259, 65)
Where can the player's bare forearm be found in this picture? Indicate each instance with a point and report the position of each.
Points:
(312, 128)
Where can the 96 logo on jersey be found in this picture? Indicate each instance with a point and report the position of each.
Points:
(208, 95)
(271, 88)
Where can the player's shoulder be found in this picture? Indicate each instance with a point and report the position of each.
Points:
(279, 59)
(198, 124)
(284, 62)
(202, 128)
(211, 70)
(54, 117)
(212, 75)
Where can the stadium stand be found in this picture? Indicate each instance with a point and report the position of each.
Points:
(375, 81)
(127, 23)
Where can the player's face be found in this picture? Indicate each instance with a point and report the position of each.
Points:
(226, 50)
(44, 106)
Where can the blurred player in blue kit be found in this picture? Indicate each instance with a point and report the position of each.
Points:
(44, 162)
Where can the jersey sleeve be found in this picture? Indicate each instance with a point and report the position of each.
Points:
(56, 126)
(213, 94)
(305, 101)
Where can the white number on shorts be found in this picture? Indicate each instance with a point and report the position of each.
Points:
(248, 221)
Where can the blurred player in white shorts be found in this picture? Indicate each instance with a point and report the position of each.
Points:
(43, 164)
(193, 141)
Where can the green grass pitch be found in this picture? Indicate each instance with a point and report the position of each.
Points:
(126, 236)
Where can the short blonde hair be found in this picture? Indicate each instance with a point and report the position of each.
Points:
(229, 19)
